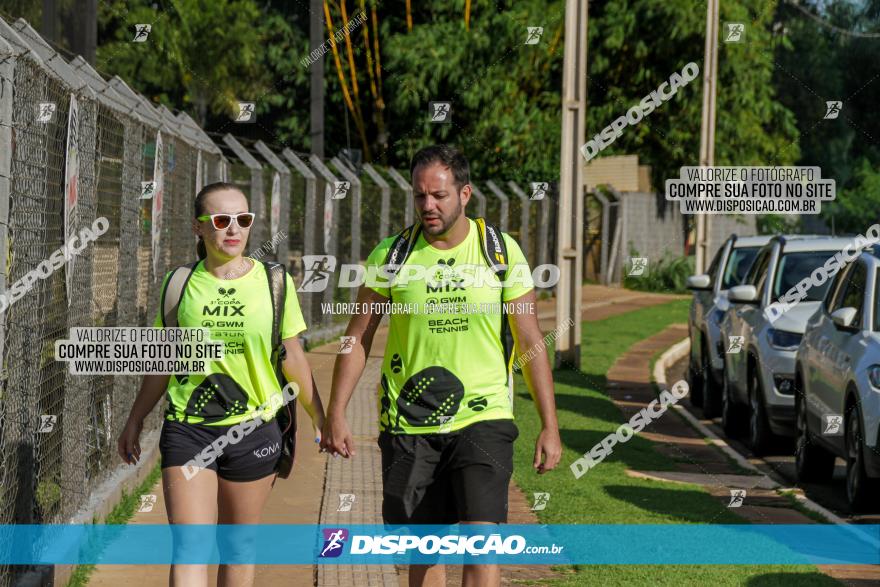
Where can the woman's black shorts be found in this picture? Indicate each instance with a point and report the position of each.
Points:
(241, 457)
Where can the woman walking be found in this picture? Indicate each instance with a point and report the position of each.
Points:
(230, 295)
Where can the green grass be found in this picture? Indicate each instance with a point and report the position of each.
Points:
(121, 514)
(605, 494)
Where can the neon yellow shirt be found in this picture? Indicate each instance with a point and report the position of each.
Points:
(239, 312)
(444, 370)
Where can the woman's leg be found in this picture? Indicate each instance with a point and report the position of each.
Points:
(241, 502)
(189, 501)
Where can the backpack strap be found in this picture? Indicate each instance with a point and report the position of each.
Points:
(494, 250)
(401, 248)
(276, 274)
(173, 293)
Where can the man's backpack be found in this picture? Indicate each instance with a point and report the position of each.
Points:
(277, 274)
(494, 253)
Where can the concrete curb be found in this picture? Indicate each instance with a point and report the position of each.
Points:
(677, 352)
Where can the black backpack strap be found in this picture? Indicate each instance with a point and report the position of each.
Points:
(276, 274)
(403, 245)
(494, 251)
(172, 293)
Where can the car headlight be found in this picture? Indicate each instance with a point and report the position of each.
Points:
(783, 339)
(874, 376)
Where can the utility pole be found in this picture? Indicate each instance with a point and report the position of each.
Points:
(316, 38)
(707, 127)
(570, 225)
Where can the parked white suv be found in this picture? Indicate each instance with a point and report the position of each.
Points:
(758, 388)
(838, 382)
(709, 303)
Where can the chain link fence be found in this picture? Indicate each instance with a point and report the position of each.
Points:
(58, 431)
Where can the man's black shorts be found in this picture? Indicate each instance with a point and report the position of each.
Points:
(460, 476)
(253, 457)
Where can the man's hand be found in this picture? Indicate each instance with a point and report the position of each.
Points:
(337, 438)
(548, 448)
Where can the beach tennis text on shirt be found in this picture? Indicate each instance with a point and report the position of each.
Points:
(123, 350)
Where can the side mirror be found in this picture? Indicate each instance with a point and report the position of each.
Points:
(698, 282)
(843, 317)
(743, 294)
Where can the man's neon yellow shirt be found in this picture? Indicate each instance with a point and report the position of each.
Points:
(238, 312)
(445, 370)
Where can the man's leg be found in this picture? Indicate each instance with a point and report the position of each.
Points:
(480, 575)
(480, 470)
(411, 493)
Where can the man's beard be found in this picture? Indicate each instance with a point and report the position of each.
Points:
(446, 221)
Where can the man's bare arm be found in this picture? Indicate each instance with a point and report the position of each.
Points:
(347, 371)
(539, 378)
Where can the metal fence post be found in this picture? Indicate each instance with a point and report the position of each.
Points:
(331, 221)
(524, 218)
(505, 204)
(481, 200)
(281, 250)
(385, 206)
(311, 310)
(355, 203)
(258, 200)
(407, 192)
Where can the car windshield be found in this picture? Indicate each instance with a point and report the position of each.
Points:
(737, 265)
(793, 267)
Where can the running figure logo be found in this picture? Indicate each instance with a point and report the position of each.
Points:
(334, 540)
(638, 266)
(340, 190)
(737, 496)
(346, 500)
(148, 189)
(832, 109)
(246, 111)
(735, 31)
(541, 499)
(147, 503)
(833, 425)
(316, 272)
(45, 111)
(533, 34)
(47, 423)
(346, 343)
(440, 111)
(736, 344)
(539, 190)
(141, 32)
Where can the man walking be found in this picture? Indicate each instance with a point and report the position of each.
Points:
(446, 414)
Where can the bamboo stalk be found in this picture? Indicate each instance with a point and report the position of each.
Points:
(467, 15)
(408, 17)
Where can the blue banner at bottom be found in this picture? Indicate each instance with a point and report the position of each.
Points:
(672, 544)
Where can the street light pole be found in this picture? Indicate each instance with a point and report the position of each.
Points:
(570, 225)
(707, 127)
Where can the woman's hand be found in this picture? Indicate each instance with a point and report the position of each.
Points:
(318, 425)
(128, 446)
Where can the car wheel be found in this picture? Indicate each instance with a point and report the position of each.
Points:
(812, 461)
(695, 383)
(860, 489)
(732, 417)
(760, 436)
(711, 393)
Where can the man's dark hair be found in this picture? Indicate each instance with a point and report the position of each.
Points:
(448, 157)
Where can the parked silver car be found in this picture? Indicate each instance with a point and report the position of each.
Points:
(758, 382)
(708, 305)
(838, 382)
